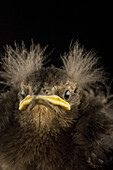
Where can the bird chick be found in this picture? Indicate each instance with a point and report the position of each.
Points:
(54, 118)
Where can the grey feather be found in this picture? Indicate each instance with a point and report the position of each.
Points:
(84, 67)
(19, 63)
(79, 64)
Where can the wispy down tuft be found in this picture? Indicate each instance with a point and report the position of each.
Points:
(18, 63)
(83, 66)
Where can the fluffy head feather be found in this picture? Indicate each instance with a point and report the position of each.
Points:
(83, 66)
(19, 63)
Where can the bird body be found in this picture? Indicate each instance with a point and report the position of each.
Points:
(54, 118)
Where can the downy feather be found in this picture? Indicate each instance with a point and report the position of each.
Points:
(19, 63)
(82, 66)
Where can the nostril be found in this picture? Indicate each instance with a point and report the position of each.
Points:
(45, 91)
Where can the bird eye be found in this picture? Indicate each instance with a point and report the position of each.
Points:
(67, 94)
(23, 94)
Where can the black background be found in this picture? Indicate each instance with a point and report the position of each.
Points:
(57, 23)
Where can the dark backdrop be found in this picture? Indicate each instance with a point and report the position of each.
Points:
(57, 23)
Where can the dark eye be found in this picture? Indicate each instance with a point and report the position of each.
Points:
(23, 94)
(67, 94)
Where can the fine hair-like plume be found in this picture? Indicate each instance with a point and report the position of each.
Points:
(18, 63)
(83, 66)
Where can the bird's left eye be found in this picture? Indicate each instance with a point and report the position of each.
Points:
(67, 94)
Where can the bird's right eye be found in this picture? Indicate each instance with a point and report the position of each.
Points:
(23, 94)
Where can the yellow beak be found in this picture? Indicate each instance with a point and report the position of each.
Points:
(53, 99)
